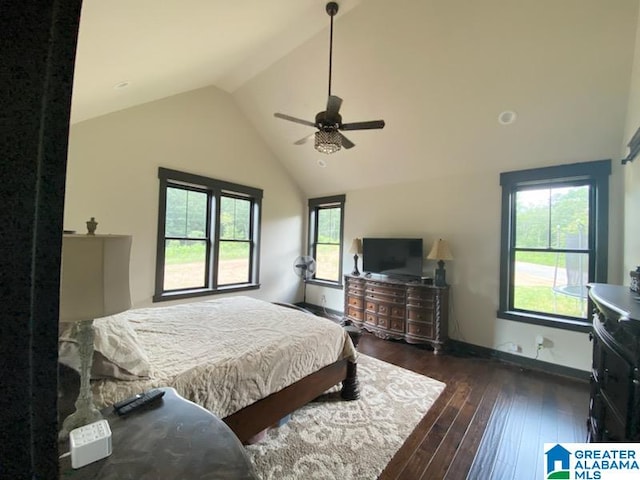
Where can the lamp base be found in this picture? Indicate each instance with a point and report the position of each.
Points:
(79, 418)
(440, 273)
(86, 412)
(355, 272)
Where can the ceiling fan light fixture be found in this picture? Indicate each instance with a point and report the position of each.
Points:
(328, 141)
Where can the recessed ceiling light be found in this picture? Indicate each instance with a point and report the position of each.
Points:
(121, 85)
(322, 163)
(507, 117)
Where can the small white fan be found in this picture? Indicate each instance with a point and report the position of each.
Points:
(305, 268)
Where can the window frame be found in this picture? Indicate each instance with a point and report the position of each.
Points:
(596, 174)
(215, 190)
(315, 205)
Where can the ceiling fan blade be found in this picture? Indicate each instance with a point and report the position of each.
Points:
(294, 119)
(333, 106)
(346, 143)
(304, 139)
(363, 125)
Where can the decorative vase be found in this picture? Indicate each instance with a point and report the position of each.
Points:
(91, 226)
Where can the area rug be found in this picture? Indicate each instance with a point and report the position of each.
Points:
(334, 439)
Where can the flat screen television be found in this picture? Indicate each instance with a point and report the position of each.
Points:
(392, 256)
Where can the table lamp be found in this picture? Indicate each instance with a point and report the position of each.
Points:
(356, 248)
(94, 283)
(440, 251)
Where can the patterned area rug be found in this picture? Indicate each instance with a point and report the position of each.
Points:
(334, 439)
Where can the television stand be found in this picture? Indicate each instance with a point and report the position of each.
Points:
(398, 309)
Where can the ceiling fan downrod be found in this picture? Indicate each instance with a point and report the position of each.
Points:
(332, 9)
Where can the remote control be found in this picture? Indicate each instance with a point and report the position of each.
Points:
(118, 405)
(147, 397)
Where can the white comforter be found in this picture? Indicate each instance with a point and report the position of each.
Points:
(226, 354)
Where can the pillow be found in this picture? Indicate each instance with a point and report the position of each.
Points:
(117, 352)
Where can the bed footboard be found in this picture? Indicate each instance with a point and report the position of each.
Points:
(264, 413)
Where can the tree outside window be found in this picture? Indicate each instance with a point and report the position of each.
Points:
(208, 232)
(554, 242)
(326, 216)
(552, 250)
(235, 241)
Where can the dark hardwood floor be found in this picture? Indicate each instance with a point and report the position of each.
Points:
(490, 422)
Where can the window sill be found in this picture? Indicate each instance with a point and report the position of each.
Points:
(325, 283)
(571, 324)
(201, 292)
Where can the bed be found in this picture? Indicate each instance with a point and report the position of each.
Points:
(248, 361)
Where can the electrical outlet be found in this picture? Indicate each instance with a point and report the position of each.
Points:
(539, 341)
(323, 299)
(514, 347)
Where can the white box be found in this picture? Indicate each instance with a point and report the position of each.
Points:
(90, 443)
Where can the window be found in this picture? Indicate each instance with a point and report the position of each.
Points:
(554, 241)
(326, 217)
(208, 236)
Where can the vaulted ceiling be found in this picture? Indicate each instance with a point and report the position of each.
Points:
(135, 52)
(438, 72)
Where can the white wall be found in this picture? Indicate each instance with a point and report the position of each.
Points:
(113, 176)
(464, 210)
(439, 73)
(632, 173)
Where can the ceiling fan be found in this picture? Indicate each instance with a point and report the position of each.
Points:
(328, 138)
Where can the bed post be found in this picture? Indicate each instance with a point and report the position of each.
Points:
(350, 385)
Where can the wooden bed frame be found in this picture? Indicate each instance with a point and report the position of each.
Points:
(264, 413)
(268, 411)
(254, 418)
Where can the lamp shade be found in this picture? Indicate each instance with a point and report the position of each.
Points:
(440, 251)
(94, 278)
(356, 246)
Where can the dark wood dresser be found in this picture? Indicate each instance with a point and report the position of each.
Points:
(397, 309)
(614, 408)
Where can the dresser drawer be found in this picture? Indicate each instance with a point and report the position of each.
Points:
(384, 309)
(370, 318)
(355, 302)
(420, 315)
(419, 293)
(385, 291)
(383, 321)
(612, 429)
(420, 329)
(355, 282)
(355, 291)
(396, 324)
(614, 380)
(420, 303)
(356, 313)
